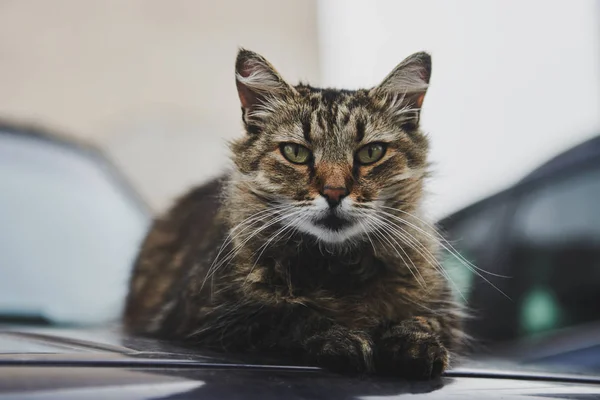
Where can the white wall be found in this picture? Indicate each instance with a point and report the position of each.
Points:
(514, 81)
(151, 81)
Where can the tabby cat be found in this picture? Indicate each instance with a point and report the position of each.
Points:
(312, 246)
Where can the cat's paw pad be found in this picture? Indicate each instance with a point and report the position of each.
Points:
(411, 352)
(341, 350)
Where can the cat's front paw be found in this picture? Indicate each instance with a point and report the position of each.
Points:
(341, 350)
(410, 351)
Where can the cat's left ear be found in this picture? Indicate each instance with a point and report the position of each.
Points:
(405, 87)
(258, 83)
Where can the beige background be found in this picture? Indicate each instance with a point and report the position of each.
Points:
(150, 81)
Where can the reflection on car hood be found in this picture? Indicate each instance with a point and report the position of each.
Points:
(104, 363)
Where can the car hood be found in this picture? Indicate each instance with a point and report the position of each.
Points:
(106, 363)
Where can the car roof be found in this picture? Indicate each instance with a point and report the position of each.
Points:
(93, 359)
(85, 148)
(39, 132)
(112, 344)
(574, 157)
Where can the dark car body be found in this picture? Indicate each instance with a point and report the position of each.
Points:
(38, 363)
(538, 244)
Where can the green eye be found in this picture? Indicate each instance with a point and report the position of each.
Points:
(295, 153)
(370, 153)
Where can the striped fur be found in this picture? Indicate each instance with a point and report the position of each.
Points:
(262, 260)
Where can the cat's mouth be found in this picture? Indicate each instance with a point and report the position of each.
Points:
(330, 225)
(333, 222)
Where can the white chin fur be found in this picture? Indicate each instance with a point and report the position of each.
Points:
(324, 234)
(328, 235)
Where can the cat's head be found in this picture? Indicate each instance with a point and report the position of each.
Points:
(330, 163)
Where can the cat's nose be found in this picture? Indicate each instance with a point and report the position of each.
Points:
(334, 195)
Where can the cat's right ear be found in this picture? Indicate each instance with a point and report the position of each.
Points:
(404, 89)
(258, 84)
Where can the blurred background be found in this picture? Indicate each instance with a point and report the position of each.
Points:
(147, 87)
(151, 82)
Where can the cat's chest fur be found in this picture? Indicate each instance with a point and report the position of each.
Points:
(313, 269)
(356, 288)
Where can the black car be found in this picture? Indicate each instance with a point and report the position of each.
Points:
(537, 246)
(69, 229)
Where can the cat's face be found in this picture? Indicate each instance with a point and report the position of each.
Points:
(331, 163)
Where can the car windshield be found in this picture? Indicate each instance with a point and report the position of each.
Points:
(68, 233)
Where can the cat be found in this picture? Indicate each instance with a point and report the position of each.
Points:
(313, 245)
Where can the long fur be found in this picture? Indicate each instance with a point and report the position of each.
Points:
(247, 263)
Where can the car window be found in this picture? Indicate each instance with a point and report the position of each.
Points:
(555, 254)
(473, 238)
(68, 233)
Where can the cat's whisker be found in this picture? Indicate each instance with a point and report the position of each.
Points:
(232, 254)
(265, 245)
(412, 242)
(246, 224)
(270, 221)
(440, 237)
(448, 248)
(236, 249)
(382, 224)
(424, 307)
(432, 260)
(366, 231)
(380, 236)
(249, 221)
